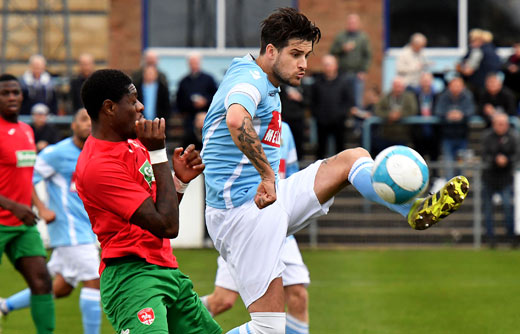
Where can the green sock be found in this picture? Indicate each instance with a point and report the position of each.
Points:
(42, 311)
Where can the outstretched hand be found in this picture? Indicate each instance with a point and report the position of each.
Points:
(187, 164)
(265, 194)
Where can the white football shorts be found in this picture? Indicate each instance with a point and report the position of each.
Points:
(251, 240)
(75, 263)
(295, 272)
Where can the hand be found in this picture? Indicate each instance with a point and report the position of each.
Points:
(362, 75)
(394, 116)
(501, 160)
(25, 214)
(151, 133)
(187, 164)
(294, 94)
(265, 194)
(512, 68)
(454, 115)
(200, 102)
(47, 214)
(489, 110)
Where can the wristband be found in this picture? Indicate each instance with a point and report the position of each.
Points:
(158, 156)
(179, 185)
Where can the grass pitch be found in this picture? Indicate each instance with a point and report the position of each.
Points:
(358, 292)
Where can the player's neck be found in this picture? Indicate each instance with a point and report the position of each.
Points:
(104, 133)
(78, 142)
(10, 118)
(263, 63)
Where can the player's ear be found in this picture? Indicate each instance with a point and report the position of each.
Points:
(271, 51)
(108, 106)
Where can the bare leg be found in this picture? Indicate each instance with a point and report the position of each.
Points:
(297, 300)
(333, 173)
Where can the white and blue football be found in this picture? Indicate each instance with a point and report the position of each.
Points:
(399, 174)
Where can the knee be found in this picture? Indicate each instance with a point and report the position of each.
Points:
(40, 283)
(297, 300)
(221, 303)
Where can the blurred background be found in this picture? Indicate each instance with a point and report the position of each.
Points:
(396, 58)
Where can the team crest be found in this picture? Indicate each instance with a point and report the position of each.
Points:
(147, 171)
(274, 131)
(146, 316)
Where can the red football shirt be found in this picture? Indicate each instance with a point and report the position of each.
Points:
(113, 179)
(17, 157)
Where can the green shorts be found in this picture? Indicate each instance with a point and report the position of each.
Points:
(139, 297)
(20, 241)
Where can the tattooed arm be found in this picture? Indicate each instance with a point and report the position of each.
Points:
(244, 136)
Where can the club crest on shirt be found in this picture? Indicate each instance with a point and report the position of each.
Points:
(147, 171)
(146, 316)
(273, 134)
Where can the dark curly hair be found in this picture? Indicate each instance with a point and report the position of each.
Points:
(102, 85)
(285, 24)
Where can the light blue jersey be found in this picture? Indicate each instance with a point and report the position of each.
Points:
(56, 165)
(231, 179)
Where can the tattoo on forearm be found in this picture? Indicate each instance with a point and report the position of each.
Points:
(249, 143)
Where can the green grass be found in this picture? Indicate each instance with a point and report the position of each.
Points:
(360, 291)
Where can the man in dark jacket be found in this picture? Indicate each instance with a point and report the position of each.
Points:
(501, 151)
(331, 100)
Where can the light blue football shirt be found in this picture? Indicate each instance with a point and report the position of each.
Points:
(56, 165)
(230, 178)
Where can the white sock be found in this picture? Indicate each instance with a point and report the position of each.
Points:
(296, 326)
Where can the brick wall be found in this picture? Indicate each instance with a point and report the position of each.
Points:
(125, 38)
(330, 17)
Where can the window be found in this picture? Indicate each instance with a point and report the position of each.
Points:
(193, 23)
(436, 19)
(499, 17)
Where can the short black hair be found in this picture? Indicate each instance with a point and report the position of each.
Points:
(102, 85)
(285, 24)
(8, 77)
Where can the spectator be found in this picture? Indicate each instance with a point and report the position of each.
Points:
(86, 67)
(352, 48)
(495, 98)
(195, 91)
(294, 101)
(425, 136)
(454, 106)
(480, 60)
(154, 92)
(412, 62)
(511, 71)
(44, 133)
(501, 147)
(395, 105)
(195, 135)
(373, 96)
(331, 101)
(37, 86)
(150, 58)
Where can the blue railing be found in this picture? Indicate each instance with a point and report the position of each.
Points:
(366, 140)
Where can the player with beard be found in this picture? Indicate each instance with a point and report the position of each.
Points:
(249, 211)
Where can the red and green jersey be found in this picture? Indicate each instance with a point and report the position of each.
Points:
(17, 157)
(113, 179)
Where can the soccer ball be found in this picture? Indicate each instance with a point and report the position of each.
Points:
(399, 174)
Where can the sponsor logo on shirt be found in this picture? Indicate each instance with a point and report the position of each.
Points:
(147, 171)
(273, 133)
(146, 316)
(25, 158)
